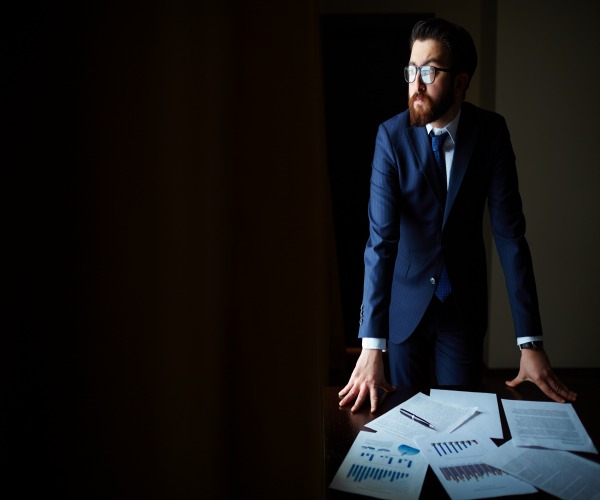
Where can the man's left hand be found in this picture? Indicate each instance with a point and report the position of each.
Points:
(535, 367)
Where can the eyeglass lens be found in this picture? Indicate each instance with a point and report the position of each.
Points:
(427, 74)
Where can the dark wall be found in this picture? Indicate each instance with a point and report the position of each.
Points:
(42, 185)
(169, 270)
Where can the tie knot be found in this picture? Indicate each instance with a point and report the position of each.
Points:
(437, 141)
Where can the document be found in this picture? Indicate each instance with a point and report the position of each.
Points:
(546, 424)
(486, 420)
(381, 466)
(443, 417)
(557, 472)
(458, 461)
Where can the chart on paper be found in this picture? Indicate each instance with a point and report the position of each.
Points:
(360, 473)
(469, 472)
(380, 466)
(448, 448)
(459, 463)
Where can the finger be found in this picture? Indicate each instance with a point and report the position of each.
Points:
(347, 397)
(360, 399)
(515, 381)
(564, 391)
(549, 388)
(569, 395)
(348, 393)
(345, 390)
(387, 387)
(374, 399)
(555, 396)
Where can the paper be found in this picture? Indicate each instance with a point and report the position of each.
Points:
(381, 466)
(545, 424)
(457, 460)
(485, 422)
(557, 472)
(444, 417)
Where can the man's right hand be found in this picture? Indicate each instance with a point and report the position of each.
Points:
(367, 377)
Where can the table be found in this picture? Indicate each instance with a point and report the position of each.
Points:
(341, 426)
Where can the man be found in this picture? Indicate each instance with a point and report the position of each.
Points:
(425, 287)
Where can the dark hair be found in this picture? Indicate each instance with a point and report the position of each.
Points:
(456, 38)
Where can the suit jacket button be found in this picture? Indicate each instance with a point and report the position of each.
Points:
(432, 280)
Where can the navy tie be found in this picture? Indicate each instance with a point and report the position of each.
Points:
(437, 144)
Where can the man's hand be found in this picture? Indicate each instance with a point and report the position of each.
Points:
(367, 377)
(535, 367)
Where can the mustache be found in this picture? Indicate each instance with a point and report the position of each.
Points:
(419, 95)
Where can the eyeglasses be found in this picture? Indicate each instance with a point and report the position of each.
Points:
(427, 73)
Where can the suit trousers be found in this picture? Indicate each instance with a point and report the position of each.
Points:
(441, 339)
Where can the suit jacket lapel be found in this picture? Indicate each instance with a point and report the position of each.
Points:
(466, 137)
(419, 141)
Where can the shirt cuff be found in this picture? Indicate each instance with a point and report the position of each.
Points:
(373, 343)
(536, 338)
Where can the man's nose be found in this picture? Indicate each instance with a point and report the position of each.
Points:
(418, 83)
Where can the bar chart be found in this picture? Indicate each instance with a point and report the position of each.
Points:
(382, 467)
(469, 472)
(360, 473)
(454, 447)
(459, 462)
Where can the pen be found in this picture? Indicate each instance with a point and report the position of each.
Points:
(416, 418)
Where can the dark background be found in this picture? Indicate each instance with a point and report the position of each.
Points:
(167, 283)
(43, 185)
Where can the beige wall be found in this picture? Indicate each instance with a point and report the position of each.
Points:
(547, 81)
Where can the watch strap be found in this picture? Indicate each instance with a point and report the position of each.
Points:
(536, 345)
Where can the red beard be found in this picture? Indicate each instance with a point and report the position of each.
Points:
(429, 110)
(422, 115)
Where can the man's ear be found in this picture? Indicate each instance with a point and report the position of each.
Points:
(461, 82)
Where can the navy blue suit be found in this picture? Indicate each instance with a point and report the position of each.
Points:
(412, 234)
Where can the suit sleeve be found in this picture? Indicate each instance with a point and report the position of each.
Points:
(382, 245)
(508, 227)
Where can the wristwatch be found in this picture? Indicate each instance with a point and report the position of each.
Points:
(536, 345)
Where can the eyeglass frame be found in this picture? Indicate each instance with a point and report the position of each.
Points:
(418, 70)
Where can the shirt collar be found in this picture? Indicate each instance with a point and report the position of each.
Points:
(451, 128)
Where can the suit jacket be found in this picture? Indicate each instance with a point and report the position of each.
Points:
(411, 234)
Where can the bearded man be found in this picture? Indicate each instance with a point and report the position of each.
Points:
(435, 166)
